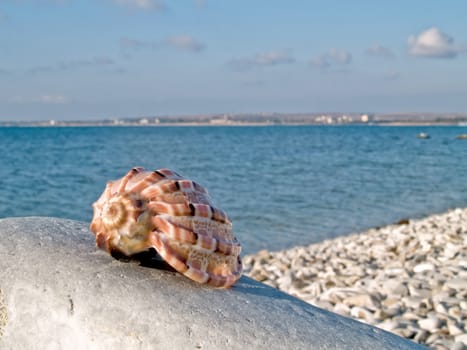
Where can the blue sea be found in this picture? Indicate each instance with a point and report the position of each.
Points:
(281, 185)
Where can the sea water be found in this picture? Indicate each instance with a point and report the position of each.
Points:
(281, 185)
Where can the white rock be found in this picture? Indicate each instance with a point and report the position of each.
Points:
(420, 292)
(454, 329)
(455, 311)
(430, 324)
(394, 310)
(413, 302)
(362, 314)
(410, 316)
(61, 292)
(389, 325)
(342, 309)
(315, 289)
(362, 300)
(393, 286)
(441, 308)
(461, 338)
(450, 250)
(285, 280)
(432, 338)
(395, 272)
(458, 346)
(405, 332)
(420, 336)
(423, 267)
(457, 284)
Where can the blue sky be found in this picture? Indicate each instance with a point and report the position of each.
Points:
(93, 59)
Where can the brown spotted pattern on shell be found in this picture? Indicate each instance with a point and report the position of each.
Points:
(173, 215)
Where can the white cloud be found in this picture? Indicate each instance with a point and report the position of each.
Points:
(379, 50)
(43, 99)
(95, 61)
(185, 42)
(143, 4)
(182, 42)
(433, 43)
(53, 99)
(73, 65)
(129, 43)
(271, 58)
(332, 57)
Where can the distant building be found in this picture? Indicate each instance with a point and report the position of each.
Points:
(220, 120)
(364, 118)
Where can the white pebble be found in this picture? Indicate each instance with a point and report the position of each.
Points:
(423, 267)
(430, 324)
(461, 338)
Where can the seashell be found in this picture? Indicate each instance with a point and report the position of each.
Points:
(173, 215)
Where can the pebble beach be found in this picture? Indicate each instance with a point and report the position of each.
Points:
(409, 278)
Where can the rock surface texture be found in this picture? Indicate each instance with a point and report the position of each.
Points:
(59, 292)
(409, 279)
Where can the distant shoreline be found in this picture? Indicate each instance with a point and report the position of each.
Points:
(202, 124)
(262, 119)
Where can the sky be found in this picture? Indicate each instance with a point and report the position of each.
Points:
(99, 59)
